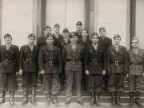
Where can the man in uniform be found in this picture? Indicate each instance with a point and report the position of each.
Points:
(50, 66)
(85, 41)
(56, 35)
(106, 42)
(28, 65)
(9, 61)
(136, 72)
(73, 54)
(95, 68)
(79, 26)
(63, 42)
(117, 68)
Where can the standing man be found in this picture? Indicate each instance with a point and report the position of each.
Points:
(136, 72)
(106, 42)
(64, 41)
(85, 42)
(28, 68)
(9, 61)
(117, 68)
(73, 54)
(56, 35)
(95, 68)
(79, 26)
(50, 66)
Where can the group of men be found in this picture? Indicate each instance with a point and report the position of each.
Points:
(76, 57)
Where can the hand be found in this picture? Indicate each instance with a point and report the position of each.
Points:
(42, 72)
(87, 72)
(103, 72)
(20, 71)
(127, 75)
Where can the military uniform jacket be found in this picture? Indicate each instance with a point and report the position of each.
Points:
(41, 41)
(117, 60)
(9, 59)
(50, 59)
(136, 62)
(73, 58)
(64, 43)
(79, 34)
(29, 59)
(85, 43)
(95, 60)
(57, 40)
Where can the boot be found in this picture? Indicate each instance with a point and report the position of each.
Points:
(131, 95)
(97, 98)
(113, 99)
(137, 99)
(2, 97)
(25, 97)
(92, 101)
(118, 102)
(11, 98)
(48, 99)
(33, 94)
(54, 100)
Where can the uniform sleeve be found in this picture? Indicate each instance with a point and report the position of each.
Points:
(60, 61)
(64, 54)
(108, 60)
(126, 62)
(86, 59)
(105, 60)
(110, 42)
(21, 58)
(82, 54)
(17, 59)
(40, 59)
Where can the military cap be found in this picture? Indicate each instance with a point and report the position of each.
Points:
(102, 28)
(73, 34)
(47, 27)
(65, 30)
(7, 35)
(116, 36)
(57, 25)
(95, 33)
(135, 38)
(79, 23)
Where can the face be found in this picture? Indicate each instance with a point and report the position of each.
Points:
(65, 34)
(31, 40)
(95, 39)
(57, 29)
(135, 44)
(79, 28)
(50, 40)
(84, 34)
(8, 40)
(117, 41)
(47, 31)
(102, 33)
(74, 39)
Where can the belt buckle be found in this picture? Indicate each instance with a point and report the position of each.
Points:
(116, 63)
(72, 60)
(50, 63)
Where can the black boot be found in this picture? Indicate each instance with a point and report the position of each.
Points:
(11, 98)
(25, 97)
(48, 99)
(131, 95)
(55, 101)
(97, 98)
(118, 102)
(2, 97)
(92, 100)
(137, 99)
(33, 94)
(113, 99)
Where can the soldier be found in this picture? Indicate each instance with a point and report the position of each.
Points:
(41, 41)
(28, 68)
(85, 42)
(79, 26)
(106, 42)
(9, 60)
(117, 68)
(64, 41)
(50, 66)
(136, 73)
(57, 36)
(72, 56)
(95, 68)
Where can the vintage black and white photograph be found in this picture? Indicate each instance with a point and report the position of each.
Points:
(71, 53)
